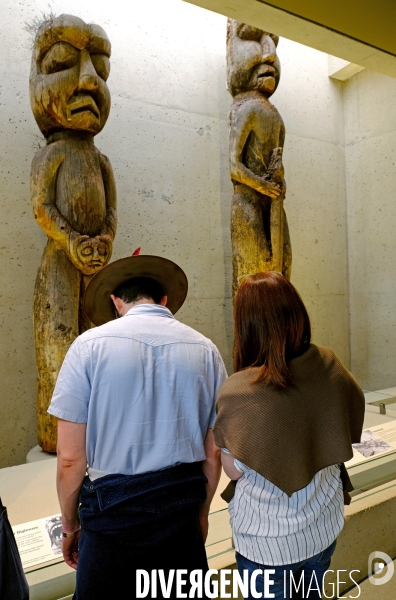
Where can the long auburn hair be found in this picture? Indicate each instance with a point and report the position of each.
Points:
(271, 327)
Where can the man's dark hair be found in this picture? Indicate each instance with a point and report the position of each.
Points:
(139, 288)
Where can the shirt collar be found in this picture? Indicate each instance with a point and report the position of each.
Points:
(150, 309)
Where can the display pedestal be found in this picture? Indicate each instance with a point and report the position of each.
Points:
(29, 493)
(36, 454)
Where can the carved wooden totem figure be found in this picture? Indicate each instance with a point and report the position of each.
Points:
(72, 188)
(259, 231)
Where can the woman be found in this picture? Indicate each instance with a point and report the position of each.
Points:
(286, 421)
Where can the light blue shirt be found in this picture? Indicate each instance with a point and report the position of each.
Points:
(146, 386)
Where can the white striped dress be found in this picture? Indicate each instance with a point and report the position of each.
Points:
(272, 529)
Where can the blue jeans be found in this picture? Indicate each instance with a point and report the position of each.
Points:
(148, 521)
(283, 586)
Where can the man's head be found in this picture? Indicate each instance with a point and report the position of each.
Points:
(136, 279)
(252, 62)
(139, 290)
(70, 66)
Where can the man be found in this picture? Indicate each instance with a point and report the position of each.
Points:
(135, 400)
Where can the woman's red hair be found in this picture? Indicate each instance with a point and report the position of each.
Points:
(271, 327)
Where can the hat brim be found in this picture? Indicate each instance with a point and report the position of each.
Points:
(98, 305)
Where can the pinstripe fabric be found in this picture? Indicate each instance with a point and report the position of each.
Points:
(271, 528)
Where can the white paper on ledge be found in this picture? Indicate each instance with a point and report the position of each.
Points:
(376, 441)
(39, 541)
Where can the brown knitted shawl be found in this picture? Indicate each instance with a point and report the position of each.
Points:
(289, 435)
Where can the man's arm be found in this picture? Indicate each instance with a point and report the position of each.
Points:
(212, 469)
(72, 466)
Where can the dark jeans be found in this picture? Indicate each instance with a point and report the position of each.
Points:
(282, 588)
(148, 521)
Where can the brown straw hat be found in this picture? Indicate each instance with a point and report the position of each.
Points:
(98, 305)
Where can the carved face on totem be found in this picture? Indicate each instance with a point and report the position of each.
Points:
(70, 66)
(252, 62)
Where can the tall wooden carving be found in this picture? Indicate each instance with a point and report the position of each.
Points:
(72, 189)
(259, 231)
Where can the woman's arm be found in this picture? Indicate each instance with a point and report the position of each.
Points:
(227, 460)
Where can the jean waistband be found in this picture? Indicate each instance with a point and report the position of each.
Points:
(110, 490)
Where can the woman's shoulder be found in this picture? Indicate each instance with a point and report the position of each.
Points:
(330, 359)
(316, 355)
(241, 378)
(239, 384)
(322, 359)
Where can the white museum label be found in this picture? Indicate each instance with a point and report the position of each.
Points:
(39, 541)
(375, 441)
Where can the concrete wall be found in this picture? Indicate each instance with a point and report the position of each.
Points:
(370, 141)
(167, 139)
(311, 105)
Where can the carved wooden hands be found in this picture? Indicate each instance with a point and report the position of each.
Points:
(276, 172)
(270, 184)
(89, 254)
(270, 188)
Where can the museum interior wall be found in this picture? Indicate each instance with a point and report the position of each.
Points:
(167, 139)
(370, 143)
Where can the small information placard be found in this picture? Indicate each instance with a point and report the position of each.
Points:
(378, 440)
(39, 541)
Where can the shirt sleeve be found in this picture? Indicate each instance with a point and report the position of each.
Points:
(237, 463)
(220, 377)
(72, 389)
(240, 466)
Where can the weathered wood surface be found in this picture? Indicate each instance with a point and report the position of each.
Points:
(72, 189)
(259, 231)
